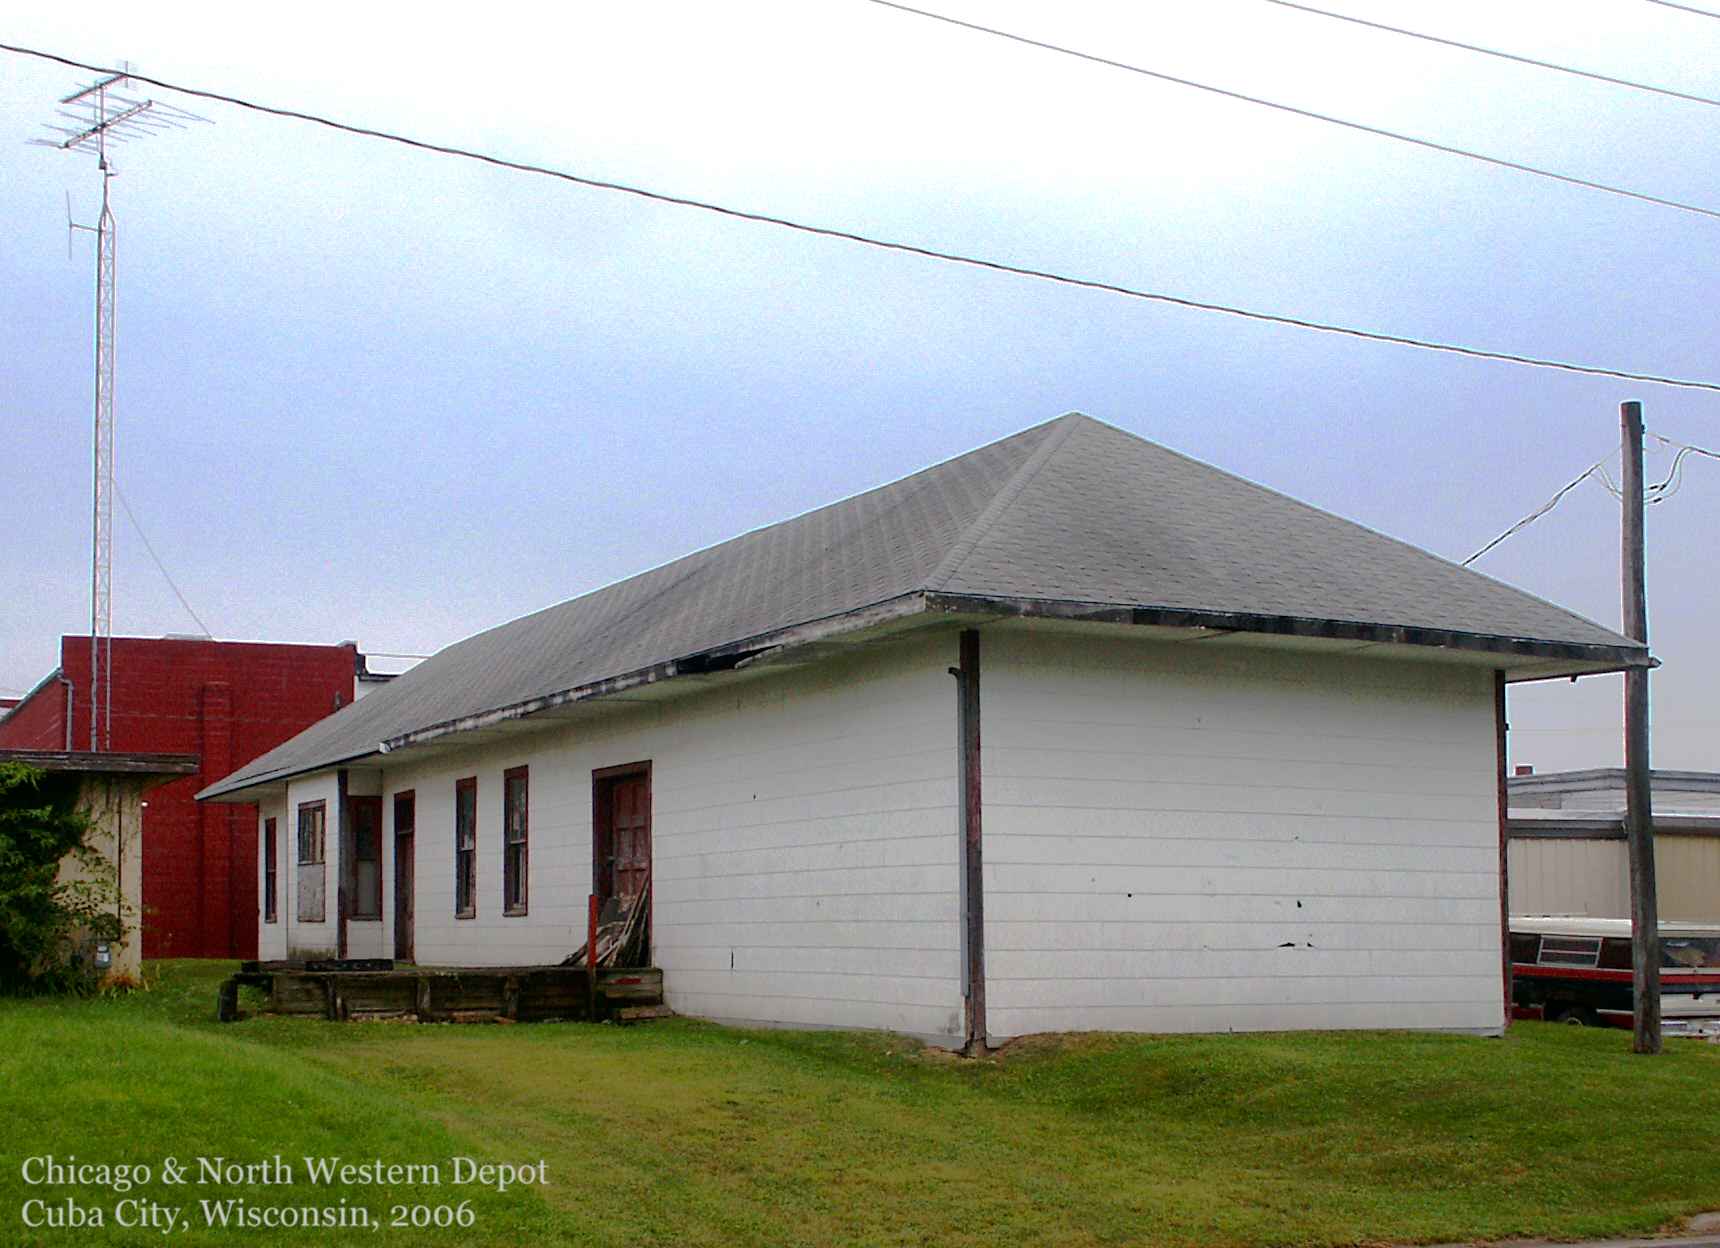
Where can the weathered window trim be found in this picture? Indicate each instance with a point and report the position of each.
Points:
(312, 851)
(271, 871)
(516, 836)
(466, 856)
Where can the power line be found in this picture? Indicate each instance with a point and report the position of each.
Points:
(1543, 509)
(1685, 446)
(1504, 56)
(160, 567)
(1664, 489)
(929, 253)
(1685, 8)
(1658, 492)
(1672, 482)
(1310, 114)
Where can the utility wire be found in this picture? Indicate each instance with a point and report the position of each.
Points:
(160, 567)
(1685, 446)
(1543, 509)
(1686, 8)
(930, 253)
(1504, 56)
(1658, 492)
(1363, 127)
(1664, 489)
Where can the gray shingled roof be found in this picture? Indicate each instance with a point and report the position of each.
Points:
(1074, 511)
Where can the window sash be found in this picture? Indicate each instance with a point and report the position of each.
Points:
(367, 890)
(312, 826)
(466, 848)
(271, 868)
(367, 872)
(515, 859)
(311, 879)
(516, 868)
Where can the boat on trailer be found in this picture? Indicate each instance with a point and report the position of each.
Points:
(1578, 970)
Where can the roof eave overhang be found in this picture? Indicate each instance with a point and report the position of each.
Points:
(1521, 657)
(731, 656)
(152, 770)
(244, 792)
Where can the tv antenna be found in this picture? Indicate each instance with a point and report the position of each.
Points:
(102, 117)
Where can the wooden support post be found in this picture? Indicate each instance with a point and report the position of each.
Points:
(227, 1003)
(593, 908)
(973, 878)
(343, 863)
(1501, 728)
(1639, 798)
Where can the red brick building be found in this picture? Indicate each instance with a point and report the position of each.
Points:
(226, 702)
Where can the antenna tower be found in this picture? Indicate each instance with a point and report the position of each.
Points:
(104, 118)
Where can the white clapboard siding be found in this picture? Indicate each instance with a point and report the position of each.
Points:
(805, 839)
(1194, 837)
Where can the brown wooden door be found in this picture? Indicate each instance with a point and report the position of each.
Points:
(632, 827)
(404, 864)
(622, 842)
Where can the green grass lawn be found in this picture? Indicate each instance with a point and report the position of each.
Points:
(680, 1133)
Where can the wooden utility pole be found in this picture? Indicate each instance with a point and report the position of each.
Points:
(973, 878)
(1639, 799)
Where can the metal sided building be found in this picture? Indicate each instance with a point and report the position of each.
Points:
(1070, 732)
(1568, 849)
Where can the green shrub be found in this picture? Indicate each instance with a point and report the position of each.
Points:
(45, 921)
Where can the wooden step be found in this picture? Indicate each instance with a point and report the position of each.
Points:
(638, 985)
(642, 1013)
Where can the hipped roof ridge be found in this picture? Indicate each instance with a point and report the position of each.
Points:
(1002, 501)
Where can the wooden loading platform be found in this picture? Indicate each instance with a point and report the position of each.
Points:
(376, 989)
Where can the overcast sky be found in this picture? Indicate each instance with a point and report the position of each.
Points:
(376, 394)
